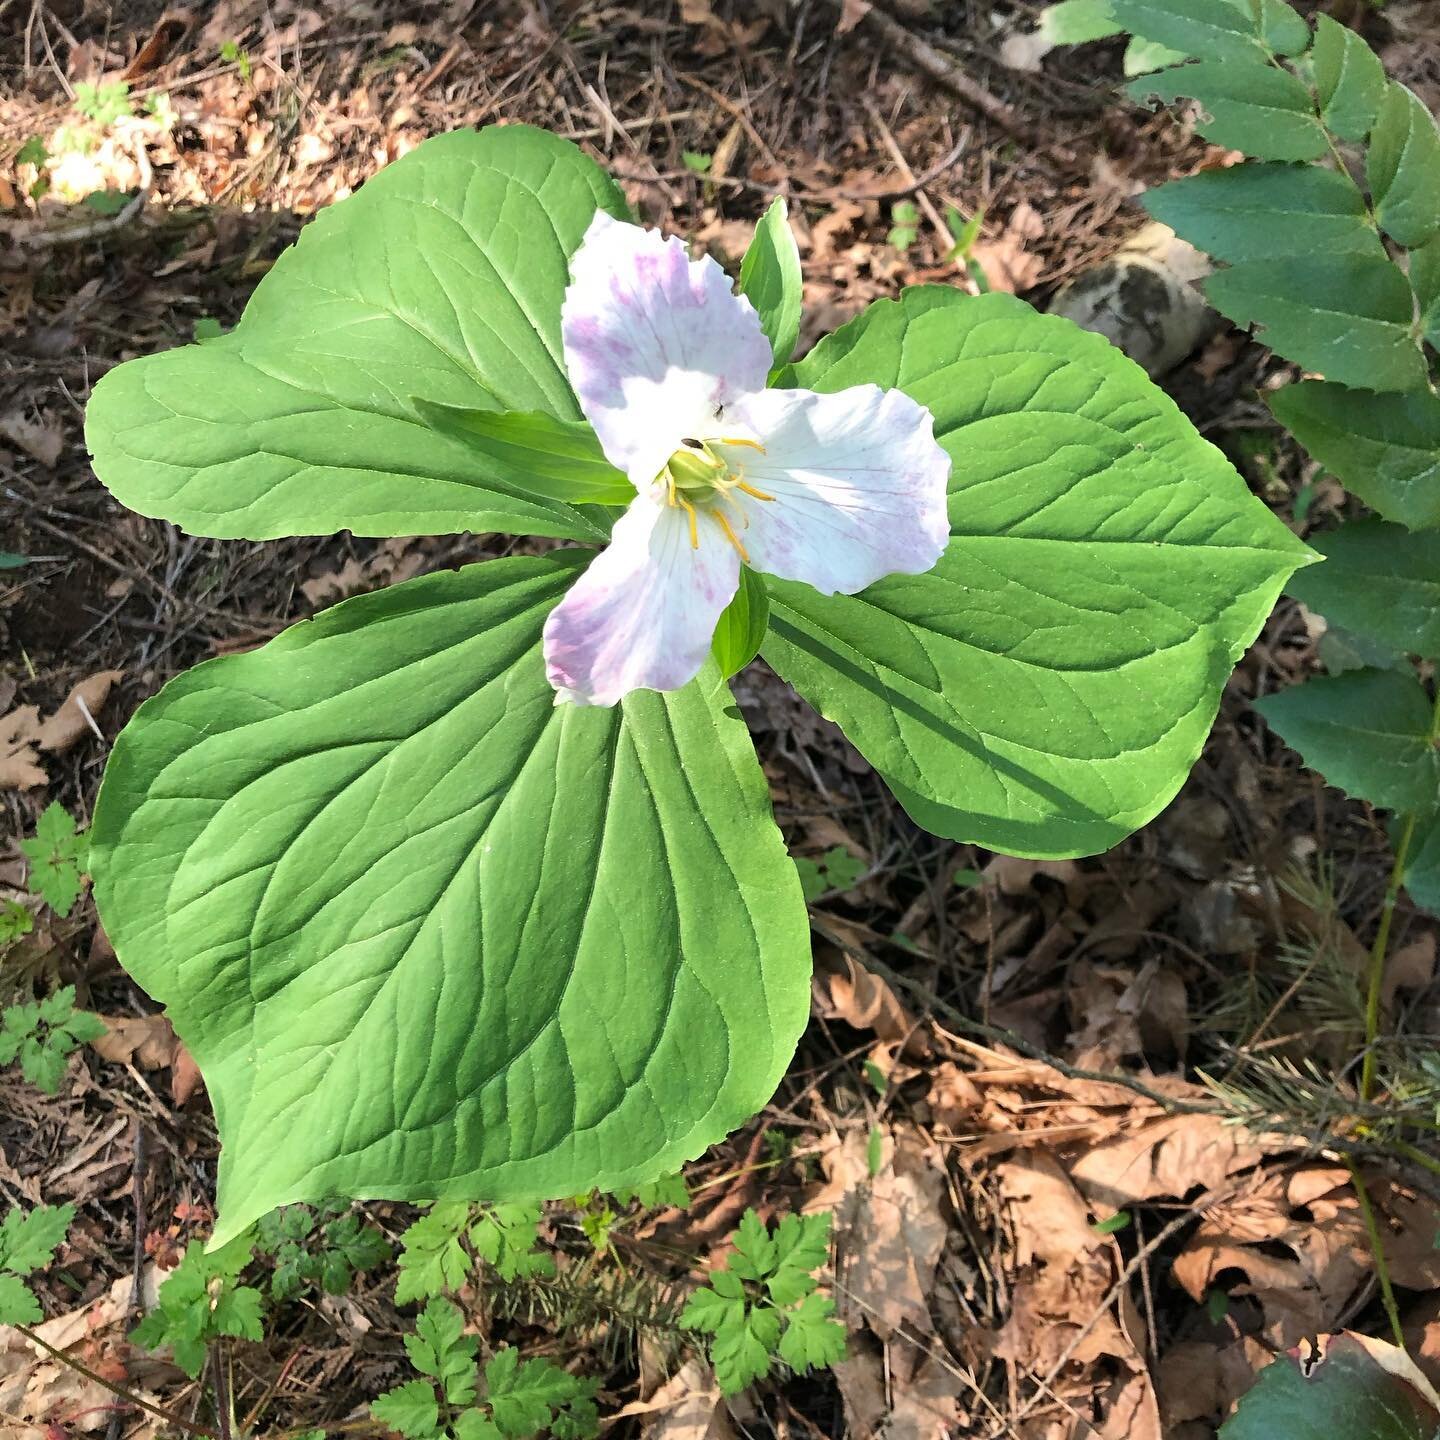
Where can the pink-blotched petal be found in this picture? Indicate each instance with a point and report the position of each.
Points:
(654, 343)
(643, 615)
(858, 480)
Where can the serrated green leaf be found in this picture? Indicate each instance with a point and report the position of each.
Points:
(1258, 211)
(56, 1009)
(523, 1396)
(770, 280)
(506, 1237)
(1366, 731)
(1422, 867)
(474, 1425)
(440, 1348)
(741, 1352)
(1379, 580)
(1383, 448)
(756, 1253)
(83, 1027)
(29, 1239)
(813, 1339)
(1045, 689)
(1078, 22)
(376, 814)
(17, 1305)
(707, 1310)
(1339, 650)
(534, 452)
(239, 1312)
(411, 1409)
(741, 629)
(1349, 79)
(432, 1259)
(1402, 167)
(1349, 317)
(1206, 29)
(443, 276)
(42, 1062)
(802, 1246)
(1425, 280)
(1259, 109)
(1354, 1389)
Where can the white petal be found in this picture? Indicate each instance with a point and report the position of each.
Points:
(655, 343)
(859, 486)
(643, 615)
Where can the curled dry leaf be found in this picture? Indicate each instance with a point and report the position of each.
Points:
(921, 1403)
(70, 723)
(150, 1042)
(843, 989)
(1006, 260)
(689, 1406)
(40, 439)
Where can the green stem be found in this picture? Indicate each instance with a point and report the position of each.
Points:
(128, 1396)
(1382, 1268)
(1377, 958)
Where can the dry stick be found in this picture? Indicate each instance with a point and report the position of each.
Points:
(137, 1249)
(129, 1396)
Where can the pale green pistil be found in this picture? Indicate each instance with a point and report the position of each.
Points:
(696, 475)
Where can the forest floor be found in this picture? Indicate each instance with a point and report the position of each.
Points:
(1023, 1248)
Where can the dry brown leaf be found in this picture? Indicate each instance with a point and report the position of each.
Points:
(40, 439)
(1412, 967)
(689, 1406)
(843, 989)
(40, 1393)
(1006, 260)
(852, 12)
(185, 1076)
(1168, 1156)
(920, 1403)
(19, 732)
(144, 1040)
(891, 1229)
(1301, 1243)
(68, 724)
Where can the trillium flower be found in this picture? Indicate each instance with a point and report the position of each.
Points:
(669, 364)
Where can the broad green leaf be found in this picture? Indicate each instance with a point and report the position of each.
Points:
(1206, 29)
(741, 630)
(1258, 211)
(442, 277)
(1384, 448)
(1425, 279)
(1257, 108)
(1339, 649)
(1349, 317)
(1422, 869)
(1349, 79)
(557, 459)
(1143, 56)
(770, 280)
(1349, 1387)
(1078, 22)
(1046, 688)
(1380, 580)
(1282, 29)
(1366, 731)
(429, 934)
(1402, 167)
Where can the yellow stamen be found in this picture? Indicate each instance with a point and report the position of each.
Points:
(690, 515)
(740, 440)
(751, 490)
(730, 535)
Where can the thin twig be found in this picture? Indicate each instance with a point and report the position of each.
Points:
(129, 1396)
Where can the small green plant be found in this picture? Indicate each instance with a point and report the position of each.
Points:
(836, 869)
(103, 105)
(904, 224)
(232, 54)
(323, 1251)
(57, 859)
(669, 1191)
(43, 1034)
(697, 161)
(15, 922)
(28, 1242)
(439, 1251)
(766, 1306)
(32, 152)
(201, 1301)
(518, 1398)
(965, 233)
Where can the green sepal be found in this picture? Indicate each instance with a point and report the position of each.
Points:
(741, 629)
(770, 280)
